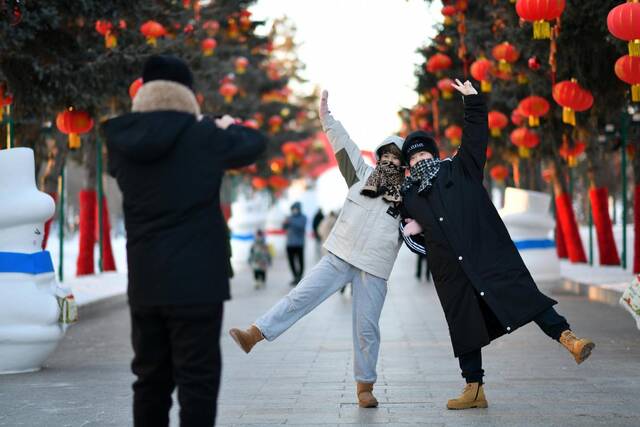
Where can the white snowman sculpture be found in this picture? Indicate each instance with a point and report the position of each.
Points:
(34, 309)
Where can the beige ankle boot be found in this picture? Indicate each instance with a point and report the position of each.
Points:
(580, 348)
(366, 399)
(472, 397)
(248, 338)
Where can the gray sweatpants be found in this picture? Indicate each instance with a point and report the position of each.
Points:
(326, 278)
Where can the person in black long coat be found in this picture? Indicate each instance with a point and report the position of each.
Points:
(483, 284)
(168, 161)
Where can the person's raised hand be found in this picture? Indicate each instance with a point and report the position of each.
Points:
(465, 88)
(225, 121)
(324, 104)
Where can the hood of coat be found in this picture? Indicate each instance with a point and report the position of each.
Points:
(393, 139)
(161, 111)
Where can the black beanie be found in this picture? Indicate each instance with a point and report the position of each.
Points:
(419, 141)
(167, 67)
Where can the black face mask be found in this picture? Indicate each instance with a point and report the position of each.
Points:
(423, 172)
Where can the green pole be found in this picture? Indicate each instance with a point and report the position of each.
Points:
(61, 225)
(623, 136)
(9, 127)
(100, 202)
(590, 235)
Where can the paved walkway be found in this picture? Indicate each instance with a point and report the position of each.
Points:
(305, 377)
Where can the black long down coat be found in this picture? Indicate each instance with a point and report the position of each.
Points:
(483, 285)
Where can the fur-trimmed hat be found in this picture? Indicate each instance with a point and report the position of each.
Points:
(167, 67)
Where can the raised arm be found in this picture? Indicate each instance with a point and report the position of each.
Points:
(241, 145)
(475, 133)
(350, 161)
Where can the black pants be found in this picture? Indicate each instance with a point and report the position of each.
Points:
(551, 323)
(295, 254)
(176, 346)
(260, 275)
(423, 259)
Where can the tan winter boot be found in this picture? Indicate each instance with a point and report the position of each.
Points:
(248, 338)
(366, 399)
(472, 397)
(580, 348)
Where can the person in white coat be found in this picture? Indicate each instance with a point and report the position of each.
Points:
(362, 248)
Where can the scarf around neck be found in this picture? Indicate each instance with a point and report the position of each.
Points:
(423, 173)
(385, 181)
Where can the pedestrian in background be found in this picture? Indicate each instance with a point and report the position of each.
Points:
(296, 225)
(260, 259)
(169, 161)
(315, 223)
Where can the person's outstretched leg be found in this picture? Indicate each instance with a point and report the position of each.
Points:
(369, 293)
(473, 394)
(557, 328)
(325, 279)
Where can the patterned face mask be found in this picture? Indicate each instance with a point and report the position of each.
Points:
(422, 172)
(385, 181)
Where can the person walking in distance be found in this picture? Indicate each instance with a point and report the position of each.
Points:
(296, 225)
(169, 161)
(260, 259)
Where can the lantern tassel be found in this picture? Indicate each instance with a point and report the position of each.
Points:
(534, 121)
(524, 152)
(541, 30)
(569, 116)
(74, 141)
(572, 161)
(448, 21)
(634, 47)
(228, 99)
(635, 93)
(447, 95)
(110, 41)
(485, 86)
(152, 41)
(495, 132)
(504, 66)
(455, 142)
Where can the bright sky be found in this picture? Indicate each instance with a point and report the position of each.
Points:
(363, 53)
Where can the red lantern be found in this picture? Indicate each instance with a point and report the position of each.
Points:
(534, 107)
(259, 183)
(241, 64)
(134, 87)
(481, 71)
(623, 22)
(245, 20)
(540, 12)
(517, 118)
(4, 101)
(228, 90)
(277, 165)
(445, 87)
(628, 70)
(449, 12)
(278, 183)
(251, 123)
(534, 63)
(438, 63)
(489, 152)
(74, 123)
(275, 123)
(152, 30)
(572, 97)
(499, 173)
(525, 140)
(211, 27)
(506, 54)
(497, 122)
(208, 46)
(454, 134)
(571, 154)
(293, 153)
(105, 28)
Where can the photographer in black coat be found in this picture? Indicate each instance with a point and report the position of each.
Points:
(483, 284)
(169, 161)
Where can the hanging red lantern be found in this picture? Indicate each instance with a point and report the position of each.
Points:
(241, 64)
(540, 12)
(134, 87)
(454, 134)
(259, 183)
(211, 27)
(275, 123)
(533, 107)
(481, 71)
(499, 173)
(445, 87)
(506, 54)
(228, 90)
(525, 140)
(293, 153)
(152, 30)
(438, 63)
(105, 28)
(628, 70)
(571, 153)
(5, 99)
(277, 165)
(534, 63)
(572, 97)
(245, 20)
(233, 31)
(278, 182)
(623, 22)
(208, 46)
(74, 123)
(449, 12)
(517, 118)
(497, 122)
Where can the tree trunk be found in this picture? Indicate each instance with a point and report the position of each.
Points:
(56, 157)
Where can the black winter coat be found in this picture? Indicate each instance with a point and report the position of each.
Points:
(169, 166)
(483, 284)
